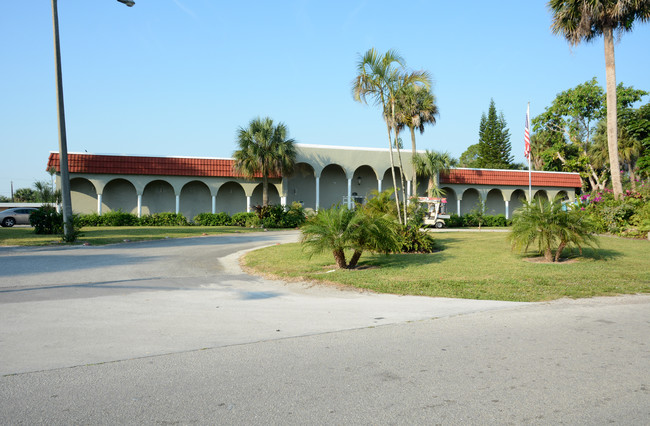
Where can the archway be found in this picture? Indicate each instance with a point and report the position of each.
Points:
(83, 196)
(452, 203)
(301, 186)
(274, 196)
(231, 198)
(120, 194)
(333, 186)
(158, 197)
(364, 181)
(494, 203)
(387, 180)
(470, 201)
(540, 194)
(516, 201)
(195, 199)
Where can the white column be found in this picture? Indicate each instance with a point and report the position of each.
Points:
(248, 204)
(99, 204)
(317, 193)
(408, 191)
(178, 203)
(458, 206)
(214, 204)
(378, 185)
(283, 201)
(349, 193)
(507, 208)
(139, 205)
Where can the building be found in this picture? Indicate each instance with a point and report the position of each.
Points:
(324, 175)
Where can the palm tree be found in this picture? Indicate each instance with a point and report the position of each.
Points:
(551, 227)
(415, 108)
(339, 229)
(431, 164)
(381, 78)
(264, 149)
(584, 20)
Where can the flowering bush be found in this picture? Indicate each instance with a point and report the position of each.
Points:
(625, 217)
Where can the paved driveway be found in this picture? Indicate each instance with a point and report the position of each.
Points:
(172, 332)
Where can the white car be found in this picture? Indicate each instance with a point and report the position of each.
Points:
(16, 216)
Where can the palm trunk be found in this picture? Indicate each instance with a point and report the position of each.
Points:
(392, 170)
(339, 257)
(548, 254)
(414, 153)
(265, 190)
(355, 259)
(612, 131)
(558, 252)
(401, 166)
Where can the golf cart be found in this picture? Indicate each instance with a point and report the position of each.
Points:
(436, 211)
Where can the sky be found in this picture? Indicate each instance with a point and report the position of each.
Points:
(179, 77)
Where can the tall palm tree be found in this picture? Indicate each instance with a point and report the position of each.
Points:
(264, 149)
(381, 78)
(584, 20)
(415, 108)
(431, 164)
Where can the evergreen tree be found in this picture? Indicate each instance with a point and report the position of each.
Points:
(494, 141)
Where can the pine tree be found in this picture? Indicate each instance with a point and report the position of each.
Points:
(494, 141)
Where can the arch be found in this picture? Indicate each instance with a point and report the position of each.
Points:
(83, 195)
(387, 179)
(495, 203)
(274, 195)
(452, 202)
(195, 198)
(540, 193)
(470, 201)
(120, 194)
(231, 198)
(301, 186)
(158, 197)
(333, 186)
(516, 201)
(562, 195)
(364, 181)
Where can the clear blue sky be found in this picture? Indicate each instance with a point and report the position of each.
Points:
(178, 77)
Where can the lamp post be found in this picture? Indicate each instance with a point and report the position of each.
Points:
(66, 203)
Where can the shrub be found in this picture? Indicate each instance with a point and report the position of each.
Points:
(415, 240)
(164, 219)
(454, 221)
(46, 220)
(92, 219)
(213, 219)
(118, 218)
(242, 219)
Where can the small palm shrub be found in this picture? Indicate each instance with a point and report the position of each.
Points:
(551, 228)
(415, 240)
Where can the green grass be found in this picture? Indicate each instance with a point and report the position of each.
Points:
(475, 266)
(114, 234)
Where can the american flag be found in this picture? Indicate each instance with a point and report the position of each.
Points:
(527, 134)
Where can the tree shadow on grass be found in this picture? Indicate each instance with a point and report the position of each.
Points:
(402, 260)
(594, 253)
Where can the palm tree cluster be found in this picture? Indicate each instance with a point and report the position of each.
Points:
(405, 100)
(551, 227)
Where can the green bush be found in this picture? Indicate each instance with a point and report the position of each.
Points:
(46, 220)
(624, 217)
(164, 219)
(119, 218)
(241, 219)
(415, 240)
(454, 221)
(213, 219)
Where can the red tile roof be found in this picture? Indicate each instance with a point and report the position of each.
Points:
(511, 178)
(132, 165)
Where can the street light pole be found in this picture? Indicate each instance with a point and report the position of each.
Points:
(66, 202)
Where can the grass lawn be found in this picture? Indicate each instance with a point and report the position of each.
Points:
(475, 265)
(114, 234)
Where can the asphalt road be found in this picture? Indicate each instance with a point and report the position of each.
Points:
(172, 332)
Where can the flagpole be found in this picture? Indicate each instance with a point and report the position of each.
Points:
(530, 180)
